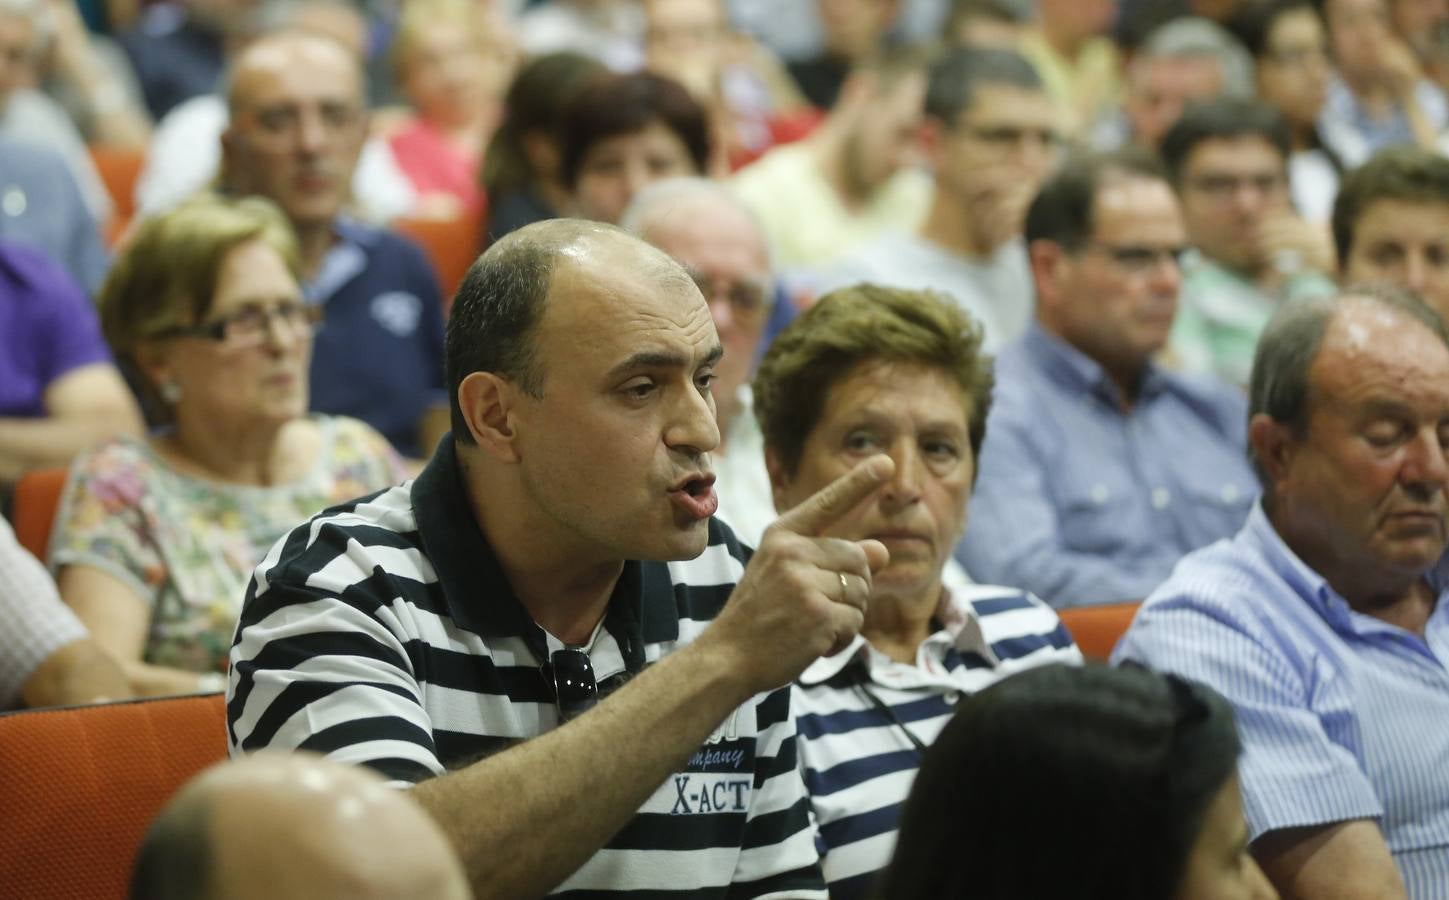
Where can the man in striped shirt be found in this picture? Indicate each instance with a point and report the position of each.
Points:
(1324, 620)
(448, 631)
(868, 370)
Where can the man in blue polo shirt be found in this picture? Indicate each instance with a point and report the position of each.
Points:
(1101, 469)
(298, 121)
(1324, 619)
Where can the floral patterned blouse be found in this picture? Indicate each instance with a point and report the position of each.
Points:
(188, 546)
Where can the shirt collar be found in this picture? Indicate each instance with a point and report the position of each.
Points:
(1076, 371)
(960, 628)
(343, 261)
(1304, 580)
(477, 594)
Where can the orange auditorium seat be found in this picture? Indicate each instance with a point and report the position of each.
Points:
(37, 495)
(1096, 629)
(119, 168)
(81, 785)
(451, 246)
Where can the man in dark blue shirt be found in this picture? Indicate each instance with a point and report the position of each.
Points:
(298, 120)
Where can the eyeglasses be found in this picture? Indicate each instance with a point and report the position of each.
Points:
(575, 691)
(749, 299)
(285, 121)
(1007, 136)
(1222, 187)
(1139, 259)
(1297, 57)
(251, 325)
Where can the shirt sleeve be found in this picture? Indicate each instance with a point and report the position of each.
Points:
(37, 623)
(380, 463)
(778, 856)
(69, 332)
(101, 522)
(1016, 534)
(1293, 773)
(313, 667)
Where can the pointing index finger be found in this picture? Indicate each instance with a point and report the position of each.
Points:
(838, 497)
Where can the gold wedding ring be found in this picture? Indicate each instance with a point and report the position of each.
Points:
(844, 585)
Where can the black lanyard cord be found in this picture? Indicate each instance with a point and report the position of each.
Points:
(860, 675)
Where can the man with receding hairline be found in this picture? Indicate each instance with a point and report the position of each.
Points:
(710, 232)
(297, 123)
(535, 631)
(1324, 619)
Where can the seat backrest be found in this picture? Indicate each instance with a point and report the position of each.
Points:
(80, 786)
(119, 167)
(451, 246)
(1096, 629)
(37, 497)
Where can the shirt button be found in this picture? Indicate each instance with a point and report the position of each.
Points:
(952, 697)
(14, 202)
(1098, 494)
(1230, 493)
(1160, 498)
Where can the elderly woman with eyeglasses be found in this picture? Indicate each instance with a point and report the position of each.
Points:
(870, 370)
(156, 540)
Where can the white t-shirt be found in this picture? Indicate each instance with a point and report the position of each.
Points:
(997, 291)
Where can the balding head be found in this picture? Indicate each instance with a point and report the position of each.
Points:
(285, 826)
(298, 120)
(500, 303)
(584, 422)
(704, 226)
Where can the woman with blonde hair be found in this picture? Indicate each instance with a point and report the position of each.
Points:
(156, 539)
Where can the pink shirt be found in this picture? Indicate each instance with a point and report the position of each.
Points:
(433, 165)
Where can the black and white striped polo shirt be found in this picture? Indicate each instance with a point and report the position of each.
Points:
(383, 632)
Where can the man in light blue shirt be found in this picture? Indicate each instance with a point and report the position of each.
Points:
(1324, 620)
(1100, 470)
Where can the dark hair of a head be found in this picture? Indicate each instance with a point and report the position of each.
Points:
(862, 324)
(1407, 174)
(1087, 783)
(534, 104)
(613, 105)
(957, 74)
(175, 860)
(1064, 209)
(1222, 118)
(492, 325)
(1279, 384)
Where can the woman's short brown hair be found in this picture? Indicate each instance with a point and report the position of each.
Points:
(860, 324)
(166, 276)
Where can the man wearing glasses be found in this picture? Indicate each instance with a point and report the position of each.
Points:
(458, 631)
(718, 240)
(1229, 162)
(297, 125)
(990, 136)
(1100, 469)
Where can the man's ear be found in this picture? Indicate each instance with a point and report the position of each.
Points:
(226, 172)
(779, 479)
(1273, 445)
(1048, 264)
(931, 138)
(489, 403)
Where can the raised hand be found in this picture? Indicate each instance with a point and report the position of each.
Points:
(803, 594)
